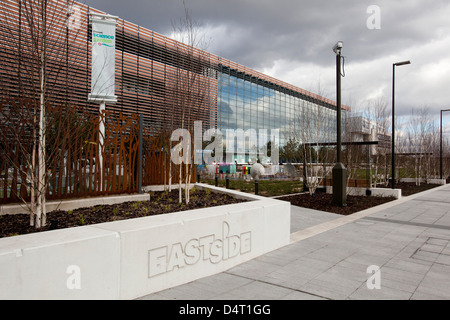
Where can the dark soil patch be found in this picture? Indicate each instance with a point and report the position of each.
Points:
(323, 202)
(409, 188)
(160, 203)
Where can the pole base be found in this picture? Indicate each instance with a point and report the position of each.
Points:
(339, 185)
(392, 183)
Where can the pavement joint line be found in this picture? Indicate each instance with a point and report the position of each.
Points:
(431, 200)
(280, 286)
(418, 224)
(424, 276)
(329, 225)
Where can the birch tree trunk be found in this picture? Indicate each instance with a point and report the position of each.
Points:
(41, 183)
(40, 208)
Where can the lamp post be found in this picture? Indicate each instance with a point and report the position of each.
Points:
(393, 118)
(440, 151)
(339, 172)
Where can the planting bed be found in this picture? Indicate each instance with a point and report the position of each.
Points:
(160, 203)
(323, 201)
(409, 188)
(165, 202)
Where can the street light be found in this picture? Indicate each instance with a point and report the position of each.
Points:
(339, 172)
(393, 118)
(440, 157)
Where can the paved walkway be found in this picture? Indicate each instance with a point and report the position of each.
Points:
(329, 257)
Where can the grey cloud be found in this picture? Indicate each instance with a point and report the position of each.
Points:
(290, 28)
(257, 33)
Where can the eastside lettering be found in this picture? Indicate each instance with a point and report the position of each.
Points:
(208, 248)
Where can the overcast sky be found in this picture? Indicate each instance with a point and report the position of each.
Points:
(292, 40)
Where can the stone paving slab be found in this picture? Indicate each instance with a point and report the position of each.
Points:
(329, 256)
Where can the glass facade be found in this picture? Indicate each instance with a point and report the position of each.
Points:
(247, 102)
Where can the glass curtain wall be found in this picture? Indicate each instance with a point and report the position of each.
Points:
(246, 102)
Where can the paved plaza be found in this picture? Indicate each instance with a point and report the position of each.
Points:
(330, 257)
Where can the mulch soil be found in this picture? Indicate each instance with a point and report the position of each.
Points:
(165, 202)
(160, 203)
(409, 188)
(323, 201)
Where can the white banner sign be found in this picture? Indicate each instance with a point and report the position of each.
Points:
(103, 59)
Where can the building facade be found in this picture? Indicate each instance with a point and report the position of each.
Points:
(170, 83)
(362, 129)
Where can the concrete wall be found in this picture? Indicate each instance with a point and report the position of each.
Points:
(431, 181)
(437, 181)
(376, 192)
(66, 205)
(131, 258)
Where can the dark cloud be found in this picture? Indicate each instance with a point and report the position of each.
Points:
(261, 33)
(290, 29)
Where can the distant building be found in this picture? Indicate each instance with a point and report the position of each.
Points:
(361, 129)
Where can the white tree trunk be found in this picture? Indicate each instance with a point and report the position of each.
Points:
(40, 208)
(33, 186)
(180, 178)
(170, 167)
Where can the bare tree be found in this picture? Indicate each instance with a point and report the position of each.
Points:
(377, 111)
(432, 152)
(309, 132)
(401, 148)
(446, 157)
(421, 140)
(191, 84)
(353, 155)
(38, 31)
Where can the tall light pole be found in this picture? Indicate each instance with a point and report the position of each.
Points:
(339, 171)
(393, 118)
(440, 151)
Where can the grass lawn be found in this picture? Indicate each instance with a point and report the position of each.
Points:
(268, 188)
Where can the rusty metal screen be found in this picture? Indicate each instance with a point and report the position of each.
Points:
(80, 160)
